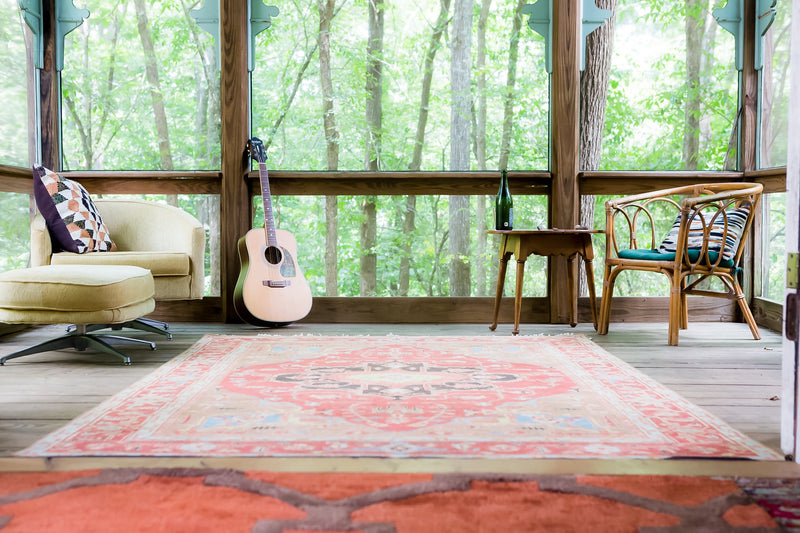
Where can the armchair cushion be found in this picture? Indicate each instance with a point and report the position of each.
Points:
(158, 263)
(72, 218)
(656, 255)
(736, 219)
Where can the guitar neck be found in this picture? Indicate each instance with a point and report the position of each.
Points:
(266, 199)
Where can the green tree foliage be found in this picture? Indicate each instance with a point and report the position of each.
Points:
(109, 122)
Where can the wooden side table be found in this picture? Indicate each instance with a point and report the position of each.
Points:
(522, 242)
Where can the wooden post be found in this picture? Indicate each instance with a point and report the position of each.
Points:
(49, 86)
(565, 143)
(750, 89)
(235, 209)
(749, 144)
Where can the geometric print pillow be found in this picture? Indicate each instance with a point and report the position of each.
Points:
(72, 218)
(737, 217)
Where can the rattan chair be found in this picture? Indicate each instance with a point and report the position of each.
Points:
(707, 239)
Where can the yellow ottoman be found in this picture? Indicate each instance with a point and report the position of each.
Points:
(83, 295)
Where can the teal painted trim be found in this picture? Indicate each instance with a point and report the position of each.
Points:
(731, 17)
(593, 17)
(32, 15)
(260, 19)
(540, 20)
(207, 17)
(68, 17)
(765, 16)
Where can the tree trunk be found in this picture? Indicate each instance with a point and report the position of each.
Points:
(156, 94)
(326, 12)
(209, 126)
(209, 122)
(419, 141)
(90, 140)
(594, 95)
(694, 29)
(511, 81)
(481, 266)
(460, 120)
(298, 79)
(372, 155)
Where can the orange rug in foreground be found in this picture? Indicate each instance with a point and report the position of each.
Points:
(394, 396)
(208, 500)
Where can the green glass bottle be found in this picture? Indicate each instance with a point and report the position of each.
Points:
(504, 205)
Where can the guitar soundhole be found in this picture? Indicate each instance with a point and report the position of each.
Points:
(273, 255)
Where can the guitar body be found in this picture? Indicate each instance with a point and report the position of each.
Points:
(271, 290)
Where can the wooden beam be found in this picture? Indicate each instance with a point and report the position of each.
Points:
(773, 179)
(49, 86)
(303, 183)
(399, 183)
(564, 141)
(750, 90)
(146, 182)
(16, 179)
(473, 310)
(635, 182)
(235, 219)
(768, 314)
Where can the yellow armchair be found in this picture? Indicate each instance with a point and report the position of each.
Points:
(165, 240)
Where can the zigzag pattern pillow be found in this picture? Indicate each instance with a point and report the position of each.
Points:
(737, 217)
(73, 220)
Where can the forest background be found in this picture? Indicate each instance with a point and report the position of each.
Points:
(398, 85)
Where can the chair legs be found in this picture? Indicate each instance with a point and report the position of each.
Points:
(675, 313)
(748, 315)
(81, 340)
(609, 276)
(678, 308)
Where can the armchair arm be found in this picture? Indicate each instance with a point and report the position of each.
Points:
(41, 245)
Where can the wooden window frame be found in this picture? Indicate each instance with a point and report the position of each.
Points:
(563, 184)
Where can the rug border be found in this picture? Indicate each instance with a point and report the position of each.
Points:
(37, 449)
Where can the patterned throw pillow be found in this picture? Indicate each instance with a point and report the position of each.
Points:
(73, 220)
(736, 217)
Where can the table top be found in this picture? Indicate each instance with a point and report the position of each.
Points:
(548, 231)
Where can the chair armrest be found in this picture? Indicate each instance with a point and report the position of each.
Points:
(41, 245)
(702, 206)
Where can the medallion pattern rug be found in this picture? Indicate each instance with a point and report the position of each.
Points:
(400, 397)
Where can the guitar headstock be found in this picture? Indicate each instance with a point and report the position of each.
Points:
(257, 151)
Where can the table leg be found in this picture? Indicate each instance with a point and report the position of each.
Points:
(501, 280)
(573, 298)
(518, 295)
(587, 263)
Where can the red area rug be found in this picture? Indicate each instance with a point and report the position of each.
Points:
(200, 500)
(477, 397)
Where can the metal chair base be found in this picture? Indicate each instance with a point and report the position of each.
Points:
(81, 340)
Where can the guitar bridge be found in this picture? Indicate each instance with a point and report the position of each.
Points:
(276, 283)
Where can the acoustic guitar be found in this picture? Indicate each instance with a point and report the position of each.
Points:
(271, 290)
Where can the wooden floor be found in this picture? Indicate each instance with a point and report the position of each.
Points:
(717, 366)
